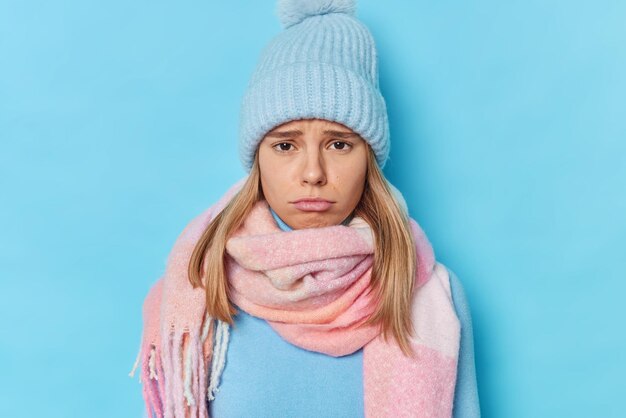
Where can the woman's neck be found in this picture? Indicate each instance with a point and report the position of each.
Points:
(280, 222)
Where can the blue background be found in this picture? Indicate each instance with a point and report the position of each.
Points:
(118, 124)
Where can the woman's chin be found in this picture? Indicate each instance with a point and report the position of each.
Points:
(312, 220)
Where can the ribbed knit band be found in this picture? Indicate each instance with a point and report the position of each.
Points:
(324, 67)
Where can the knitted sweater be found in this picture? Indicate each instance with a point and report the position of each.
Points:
(265, 376)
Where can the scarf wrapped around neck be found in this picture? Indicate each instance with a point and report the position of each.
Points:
(313, 287)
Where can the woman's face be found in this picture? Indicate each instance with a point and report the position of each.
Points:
(312, 159)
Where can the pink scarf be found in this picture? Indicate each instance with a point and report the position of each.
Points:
(312, 286)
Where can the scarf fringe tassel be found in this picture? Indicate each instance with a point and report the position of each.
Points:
(183, 380)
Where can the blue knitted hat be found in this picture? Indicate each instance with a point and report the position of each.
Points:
(322, 65)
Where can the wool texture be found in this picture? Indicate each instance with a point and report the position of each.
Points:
(323, 65)
(313, 288)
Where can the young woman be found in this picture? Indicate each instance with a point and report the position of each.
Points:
(307, 290)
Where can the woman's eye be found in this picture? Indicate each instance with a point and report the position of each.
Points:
(283, 146)
(341, 145)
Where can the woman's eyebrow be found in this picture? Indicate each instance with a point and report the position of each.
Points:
(341, 134)
(284, 134)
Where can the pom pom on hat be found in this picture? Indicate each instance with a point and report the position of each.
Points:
(292, 12)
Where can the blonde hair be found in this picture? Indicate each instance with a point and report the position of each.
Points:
(395, 260)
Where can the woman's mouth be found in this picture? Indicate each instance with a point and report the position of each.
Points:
(312, 205)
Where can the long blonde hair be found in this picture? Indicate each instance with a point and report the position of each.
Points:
(395, 260)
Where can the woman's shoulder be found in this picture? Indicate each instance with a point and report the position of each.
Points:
(445, 283)
(449, 279)
(456, 291)
(441, 274)
(455, 283)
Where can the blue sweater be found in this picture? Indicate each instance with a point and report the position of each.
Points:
(266, 376)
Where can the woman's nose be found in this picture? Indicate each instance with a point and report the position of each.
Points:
(314, 172)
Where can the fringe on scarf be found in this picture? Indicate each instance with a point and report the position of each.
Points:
(180, 387)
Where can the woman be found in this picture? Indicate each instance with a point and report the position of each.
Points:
(336, 303)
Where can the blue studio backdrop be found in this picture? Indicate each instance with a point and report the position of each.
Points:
(118, 124)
